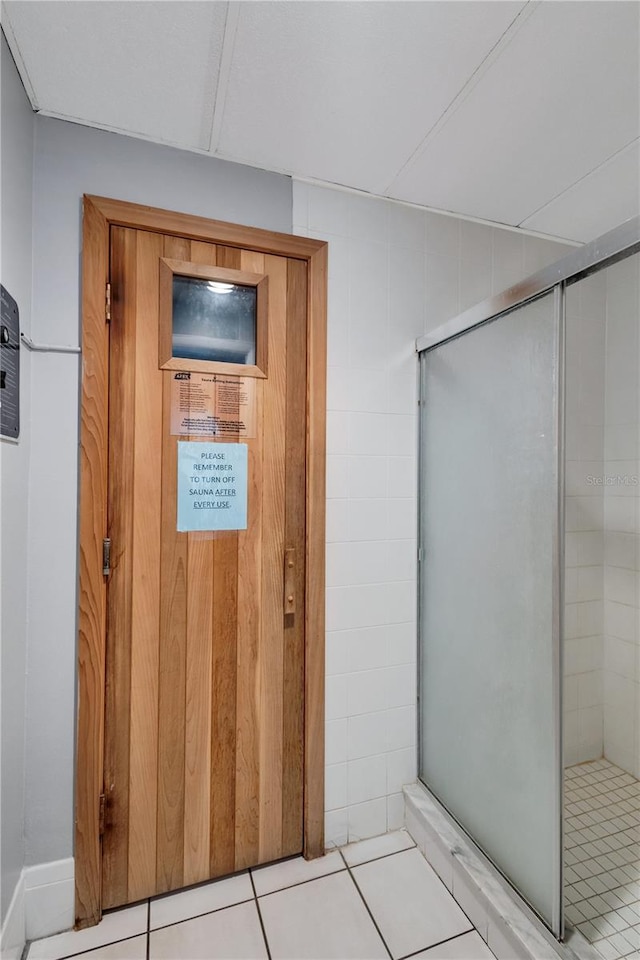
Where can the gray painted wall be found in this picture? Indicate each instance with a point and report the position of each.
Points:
(71, 160)
(17, 124)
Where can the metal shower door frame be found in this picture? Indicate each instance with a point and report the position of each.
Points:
(617, 244)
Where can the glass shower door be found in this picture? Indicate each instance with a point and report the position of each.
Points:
(490, 538)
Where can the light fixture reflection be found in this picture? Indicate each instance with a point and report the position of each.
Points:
(218, 287)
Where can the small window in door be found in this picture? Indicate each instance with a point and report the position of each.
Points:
(212, 319)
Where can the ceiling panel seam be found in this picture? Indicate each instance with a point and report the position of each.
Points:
(133, 134)
(508, 35)
(14, 47)
(226, 60)
(174, 144)
(571, 186)
(212, 80)
(438, 211)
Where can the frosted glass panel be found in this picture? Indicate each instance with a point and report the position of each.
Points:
(488, 520)
(214, 320)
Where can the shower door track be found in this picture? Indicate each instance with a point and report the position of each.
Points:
(618, 244)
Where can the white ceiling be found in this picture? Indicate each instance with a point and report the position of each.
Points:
(526, 114)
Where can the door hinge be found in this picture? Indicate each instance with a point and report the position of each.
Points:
(101, 814)
(106, 557)
(107, 304)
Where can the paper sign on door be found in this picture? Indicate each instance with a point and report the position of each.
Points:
(213, 405)
(212, 486)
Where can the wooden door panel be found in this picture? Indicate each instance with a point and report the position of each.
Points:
(205, 673)
(173, 644)
(145, 548)
(295, 537)
(198, 680)
(248, 641)
(273, 547)
(222, 822)
(222, 842)
(210, 810)
(120, 530)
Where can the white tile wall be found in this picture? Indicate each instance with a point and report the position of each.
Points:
(584, 504)
(602, 646)
(394, 273)
(377, 282)
(621, 492)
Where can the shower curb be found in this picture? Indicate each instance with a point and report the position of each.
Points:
(510, 931)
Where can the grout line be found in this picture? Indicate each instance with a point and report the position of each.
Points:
(195, 886)
(300, 883)
(366, 905)
(262, 927)
(196, 916)
(384, 856)
(598, 786)
(98, 946)
(456, 936)
(148, 952)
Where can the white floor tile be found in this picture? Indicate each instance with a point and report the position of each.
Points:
(410, 904)
(321, 920)
(231, 934)
(365, 850)
(289, 872)
(118, 925)
(204, 899)
(607, 864)
(470, 946)
(134, 949)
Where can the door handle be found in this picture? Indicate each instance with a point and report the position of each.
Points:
(289, 580)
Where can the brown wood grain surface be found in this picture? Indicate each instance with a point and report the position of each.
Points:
(222, 843)
(271, 643)
(173, 644)
(145, 571)
(91, 582)
(120, 589)
(295, 522)
(213, 747)
(315, 560)
(136, 215)
(200, 606)
(222, 840)
(247, 827)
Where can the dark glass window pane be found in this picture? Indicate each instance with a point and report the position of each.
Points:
(214, 320)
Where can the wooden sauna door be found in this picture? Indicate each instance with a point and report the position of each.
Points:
(204, 713)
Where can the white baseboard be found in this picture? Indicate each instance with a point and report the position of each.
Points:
(42, 905)
(13, 935)
(49, 898)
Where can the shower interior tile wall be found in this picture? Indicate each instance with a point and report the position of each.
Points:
(621, 672)
(584, 546)
(602, 560)
(394, 273)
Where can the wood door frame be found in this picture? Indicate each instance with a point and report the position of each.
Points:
(100, 214)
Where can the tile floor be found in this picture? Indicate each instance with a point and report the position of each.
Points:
(602, 857)
(374, 899)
